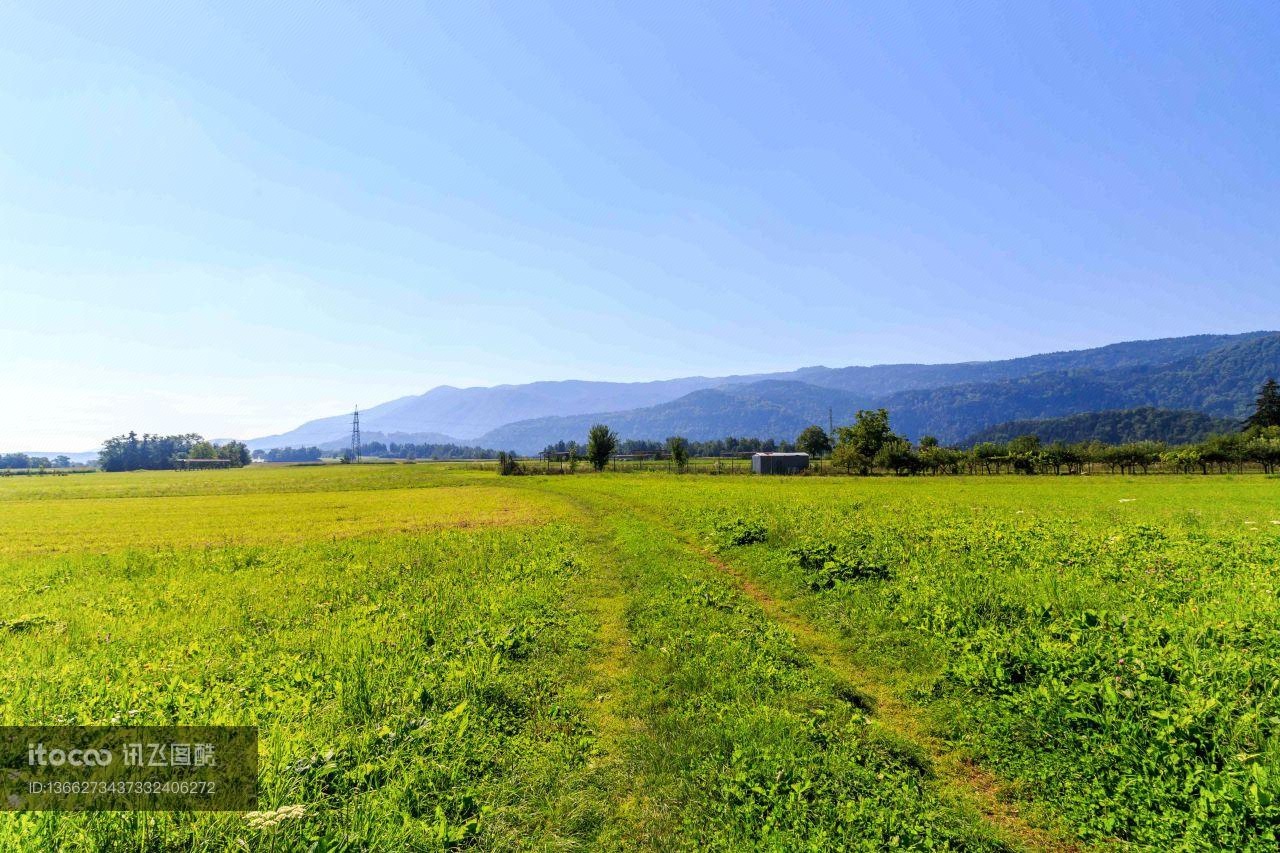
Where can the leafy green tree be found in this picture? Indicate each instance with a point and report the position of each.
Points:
(987, 455)
(1262, 445)
(940, 460)
(1224, 451)
(202, 450)
(1131, 456)
(601, 444)
(858, 444)
(292, 454)
(928, 441)
(1267, 408)
(814, 441)
(236, 453)
(846, 456)
(1024, 454)
(1059, 455)
(1185, 460)
(1146, 453)
(1023, 444)
(869, 432)
(897, 456)
(678, 448)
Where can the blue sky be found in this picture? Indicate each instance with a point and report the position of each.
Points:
(233, 218)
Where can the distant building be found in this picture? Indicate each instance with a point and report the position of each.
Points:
(779, 463)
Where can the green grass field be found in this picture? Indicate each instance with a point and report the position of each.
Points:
(440, 658)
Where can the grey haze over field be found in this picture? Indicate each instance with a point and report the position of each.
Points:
(234, 218)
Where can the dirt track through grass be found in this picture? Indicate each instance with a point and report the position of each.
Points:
(969, 786)
(661, 725)
(603, 597)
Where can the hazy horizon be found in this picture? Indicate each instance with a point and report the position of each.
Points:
(233, 220)
(366, 406)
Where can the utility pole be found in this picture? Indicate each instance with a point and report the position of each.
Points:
(355, 435)
(831, 423)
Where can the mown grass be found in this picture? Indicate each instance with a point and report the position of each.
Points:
(103, 525)
(256, 479)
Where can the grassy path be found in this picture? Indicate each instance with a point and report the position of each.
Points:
(962, 785)
(719, 726)
(603, 594)
(972, 786)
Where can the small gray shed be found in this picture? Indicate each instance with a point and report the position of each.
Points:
(779, 463)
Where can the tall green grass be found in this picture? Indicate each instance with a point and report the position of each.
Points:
(409, 690)
(438, 658)
(747, 743)
(1111, 645)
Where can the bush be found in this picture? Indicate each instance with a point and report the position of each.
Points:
(827, 565)
(509, 464)
(739, 531)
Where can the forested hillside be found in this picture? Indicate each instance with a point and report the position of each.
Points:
(1220, 382)
(1114, 427)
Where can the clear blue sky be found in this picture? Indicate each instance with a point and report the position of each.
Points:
(233, 218)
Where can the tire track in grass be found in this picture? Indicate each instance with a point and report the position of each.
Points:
(629, 818)
(969, 785)
(640, 817)
(610, 792)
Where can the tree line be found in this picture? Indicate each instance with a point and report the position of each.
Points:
(603, 445)
(869, 444)
(289, 454)
(397, 450)
(21, 461)
(377, 450)
(713, 448)
(129, 452)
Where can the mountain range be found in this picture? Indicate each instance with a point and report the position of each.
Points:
(1217, 375)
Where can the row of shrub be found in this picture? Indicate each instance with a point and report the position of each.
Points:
(1027, 455)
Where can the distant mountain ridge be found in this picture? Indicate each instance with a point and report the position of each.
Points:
(458, 414)
(887, 379)
(1211, 373)
(79, 457)
(768, 409)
